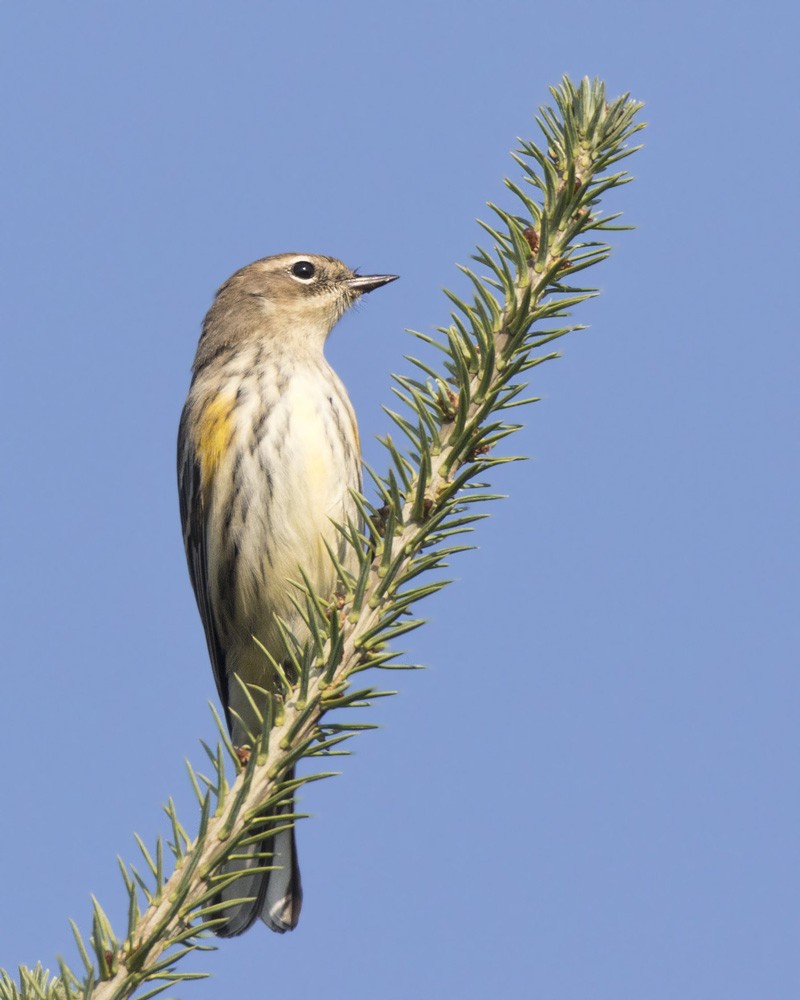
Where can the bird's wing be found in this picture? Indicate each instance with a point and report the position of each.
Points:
(194, 519)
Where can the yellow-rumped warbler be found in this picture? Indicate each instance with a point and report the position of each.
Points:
(268, 453)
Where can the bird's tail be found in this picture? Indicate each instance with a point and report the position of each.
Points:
(275, 896)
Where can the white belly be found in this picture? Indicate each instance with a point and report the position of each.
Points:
(294, 488)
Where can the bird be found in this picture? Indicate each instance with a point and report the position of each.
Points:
(268, 459)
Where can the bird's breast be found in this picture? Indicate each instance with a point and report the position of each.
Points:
(282, 485)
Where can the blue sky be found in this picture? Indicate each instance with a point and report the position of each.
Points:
(592, 791)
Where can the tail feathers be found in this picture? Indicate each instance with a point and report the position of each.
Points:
(275, 896)
(283, 898)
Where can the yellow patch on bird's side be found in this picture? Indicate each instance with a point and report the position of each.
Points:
(214, 431)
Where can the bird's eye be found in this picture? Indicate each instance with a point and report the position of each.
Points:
(304, 270)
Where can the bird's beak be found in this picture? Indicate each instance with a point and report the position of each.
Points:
(369, 282)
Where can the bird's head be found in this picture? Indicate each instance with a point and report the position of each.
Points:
(292, 300)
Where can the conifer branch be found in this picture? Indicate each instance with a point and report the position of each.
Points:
(451, 421)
